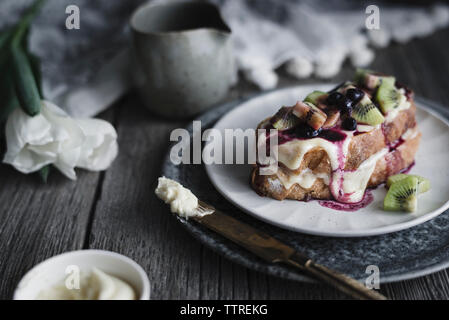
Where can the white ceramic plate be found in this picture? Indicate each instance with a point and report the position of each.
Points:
(432, 162)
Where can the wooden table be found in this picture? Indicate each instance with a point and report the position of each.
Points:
(117, 209)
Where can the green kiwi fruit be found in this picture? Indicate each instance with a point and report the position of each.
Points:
(284, 119)
(360, 74)
(371, 79)
(315, 97)
(402, 195)
(388, 97)
(423, 183)
(367, 112)
(388, 80)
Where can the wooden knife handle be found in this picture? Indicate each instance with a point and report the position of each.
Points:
(340, 281)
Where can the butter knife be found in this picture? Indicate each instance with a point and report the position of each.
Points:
(275, 251)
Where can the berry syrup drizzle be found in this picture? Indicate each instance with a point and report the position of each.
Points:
(407, 169)
(334, 135)
(367, 199)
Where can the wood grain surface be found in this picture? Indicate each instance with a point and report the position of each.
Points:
(117, 209)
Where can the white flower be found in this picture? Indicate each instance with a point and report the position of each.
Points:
(100, 147)
(52, 137)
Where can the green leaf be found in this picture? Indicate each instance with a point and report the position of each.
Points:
(22, 27)
(4, 48)
(24, 82)
(44, 172)
(15, 36)
(4, 38)
(7, 95)
(35, 64)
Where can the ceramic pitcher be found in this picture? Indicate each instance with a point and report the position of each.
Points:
(183, 57)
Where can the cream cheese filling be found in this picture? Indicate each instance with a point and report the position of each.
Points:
(355, 182)
(292, 153)
(410, 133)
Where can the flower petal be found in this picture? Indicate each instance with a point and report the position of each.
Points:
(70, 137)
(100, 147)
(64, 128)
(66, 162)
(22, 129)
(26, 161)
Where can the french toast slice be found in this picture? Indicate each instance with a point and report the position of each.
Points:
(389, 147)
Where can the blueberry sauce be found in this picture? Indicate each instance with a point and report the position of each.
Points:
(394, 162)
(332, 135)
(385, 133)
(367, 199)
(345, 105)
(407, 169)
(355, 94)
(358, 132)
(334, 98)
(349, 124)
(408, 92)
(394, 145)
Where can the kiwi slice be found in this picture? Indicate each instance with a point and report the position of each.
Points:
(284, 119)
(388, 80)
(371, 79)
(315, 97)
(402, 195)
(367, 112)
(423, 183)
(360, 75)
(388, 97)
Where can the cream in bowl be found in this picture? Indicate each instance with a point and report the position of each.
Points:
(85, 275)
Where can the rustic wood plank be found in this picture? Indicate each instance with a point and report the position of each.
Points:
(39, 221)
(130, 219)
(434, 286)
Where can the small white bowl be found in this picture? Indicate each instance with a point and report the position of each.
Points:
(53, 270)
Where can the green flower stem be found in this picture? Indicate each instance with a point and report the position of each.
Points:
(24, 82)
(22, 27)
(7, 95)
(35, 65)
(44, 172)
(4, 48)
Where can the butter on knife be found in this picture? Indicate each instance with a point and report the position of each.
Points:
(181, 200)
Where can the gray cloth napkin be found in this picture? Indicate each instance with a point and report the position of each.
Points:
(86, 70)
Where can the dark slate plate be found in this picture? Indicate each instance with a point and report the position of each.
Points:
(402, 255)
